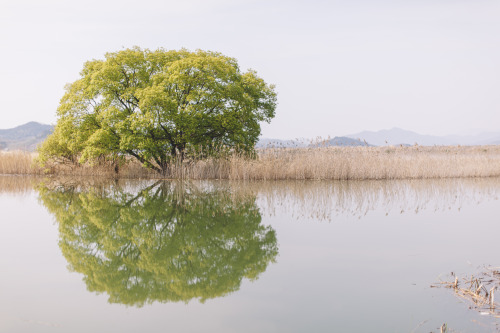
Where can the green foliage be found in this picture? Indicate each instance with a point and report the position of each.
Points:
(159, 105)
(166, 242)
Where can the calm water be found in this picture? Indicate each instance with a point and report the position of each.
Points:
(129, 256)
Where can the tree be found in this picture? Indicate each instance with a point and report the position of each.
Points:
(156, 106)
(167, 242)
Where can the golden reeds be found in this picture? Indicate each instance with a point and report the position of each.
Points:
(338, 163)
(371, 163)
(18, 162)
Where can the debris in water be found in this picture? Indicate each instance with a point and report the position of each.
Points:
(478, 290)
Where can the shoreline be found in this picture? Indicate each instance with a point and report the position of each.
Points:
(324, 163)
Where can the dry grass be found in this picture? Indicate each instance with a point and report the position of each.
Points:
(338, 163)
(372, 163)
(18, 163)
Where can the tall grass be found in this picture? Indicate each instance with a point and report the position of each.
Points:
(18, 162)
(338, 163)
(343, 163)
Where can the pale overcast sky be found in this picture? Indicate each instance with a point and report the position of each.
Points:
(340, 67)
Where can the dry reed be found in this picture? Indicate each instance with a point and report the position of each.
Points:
(342, 163)
(478, 290)
(18, 163)
(336, 163)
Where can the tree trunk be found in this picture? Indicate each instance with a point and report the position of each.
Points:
(164, 169)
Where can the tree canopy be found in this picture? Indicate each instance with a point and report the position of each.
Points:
(165, 242)
(158, 105)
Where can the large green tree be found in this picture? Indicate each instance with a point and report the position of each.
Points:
(166, 242)
(159, 105)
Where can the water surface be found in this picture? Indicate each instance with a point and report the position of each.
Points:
(82, 255)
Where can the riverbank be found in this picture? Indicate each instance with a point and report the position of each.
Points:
(338, 163)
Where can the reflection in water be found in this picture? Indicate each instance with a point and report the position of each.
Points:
(169, 241)
(327, 199)
(321, 200)
(141, 242)
(16, 185)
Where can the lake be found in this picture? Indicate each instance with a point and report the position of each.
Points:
(90, 255)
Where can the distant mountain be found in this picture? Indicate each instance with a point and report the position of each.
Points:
(340, 141)
(25, 137)
(394, 136)
(487, 139)
(397, 136)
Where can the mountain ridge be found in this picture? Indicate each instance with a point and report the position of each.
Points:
(28, 136)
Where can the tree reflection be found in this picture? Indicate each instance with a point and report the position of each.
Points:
(170, 241)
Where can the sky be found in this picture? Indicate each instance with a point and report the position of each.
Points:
(340, 67)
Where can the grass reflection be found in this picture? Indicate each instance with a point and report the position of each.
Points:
(325, 200)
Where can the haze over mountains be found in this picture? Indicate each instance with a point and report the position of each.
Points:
(28, 136)
(398, 136)
(394, 136)
(341, 141)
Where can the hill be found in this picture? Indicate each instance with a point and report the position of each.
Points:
(25, 137)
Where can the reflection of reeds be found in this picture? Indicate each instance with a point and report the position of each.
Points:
(326, 199)
(339, 163)
(16, 184)
(478, 290)
(322, 200)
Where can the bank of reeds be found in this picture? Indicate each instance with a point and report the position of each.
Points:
(338, 163)
(18, 162)
(371, 163)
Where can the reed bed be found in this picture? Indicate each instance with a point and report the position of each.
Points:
(342, 163)
(18, 163)
(335, 163)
